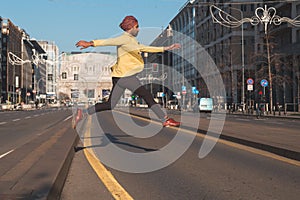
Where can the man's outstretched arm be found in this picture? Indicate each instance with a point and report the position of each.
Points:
(84, 44)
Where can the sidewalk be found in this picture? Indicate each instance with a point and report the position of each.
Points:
(286, 145)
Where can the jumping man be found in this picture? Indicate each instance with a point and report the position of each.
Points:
(129, 64)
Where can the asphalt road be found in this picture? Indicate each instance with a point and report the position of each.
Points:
(229, 171)
(19, 127)
(35, 147)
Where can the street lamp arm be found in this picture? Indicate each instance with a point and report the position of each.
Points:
(225, 19)
(262, 15)
(294, 22)
(52, 62)
(15, 60)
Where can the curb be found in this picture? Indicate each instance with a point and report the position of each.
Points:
(267, 116)
(61, 176)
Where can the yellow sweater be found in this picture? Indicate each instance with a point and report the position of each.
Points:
(129, 61)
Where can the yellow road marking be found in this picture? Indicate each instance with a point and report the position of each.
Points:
(117, 191)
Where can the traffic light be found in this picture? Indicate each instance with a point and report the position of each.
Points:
(154, 67)
(133, 96)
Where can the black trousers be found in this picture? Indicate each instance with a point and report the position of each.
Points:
(133, 84)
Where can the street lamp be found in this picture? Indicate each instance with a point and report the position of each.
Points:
(243, 50)
(15, 60)
(169, 33)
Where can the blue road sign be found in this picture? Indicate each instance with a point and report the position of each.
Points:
(264, 83)
(250, 81)
(194, 90)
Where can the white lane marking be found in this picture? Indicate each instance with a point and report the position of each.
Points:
(15, 120)
(239, 119)
(28, 117)
(1, 123)
(5, 154)
(68, 118)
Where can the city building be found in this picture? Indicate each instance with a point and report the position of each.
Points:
(240, 53)
(18, 64)
(85, 77)
(47, 82)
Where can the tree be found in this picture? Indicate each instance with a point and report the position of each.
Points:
(271, 66)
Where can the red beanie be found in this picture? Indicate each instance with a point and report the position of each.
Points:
(128, 23)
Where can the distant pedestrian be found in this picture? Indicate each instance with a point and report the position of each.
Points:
(129, 64)
(36, 104)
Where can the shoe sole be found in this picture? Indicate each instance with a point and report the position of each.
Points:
(171, 126)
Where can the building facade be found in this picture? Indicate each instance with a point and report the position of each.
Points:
(239, 53)
(284, 54)
(17, 64)
(47, 81)
(85, 77)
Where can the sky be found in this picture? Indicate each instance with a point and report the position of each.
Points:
(65, 22)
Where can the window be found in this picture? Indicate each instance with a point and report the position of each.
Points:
(74, 93)
(50, 77)
(244, 8)
(298, 35)
(64, 75)
(91, 94)
(76, 77)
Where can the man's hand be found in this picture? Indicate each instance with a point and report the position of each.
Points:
(84, 44)
(172, 47)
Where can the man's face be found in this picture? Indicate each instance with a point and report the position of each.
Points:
(134, 31)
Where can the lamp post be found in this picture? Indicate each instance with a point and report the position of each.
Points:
(169, 33)
(243, 60)
(15, 60)
(242, 57)
(298, 89)
(243, 65)
(146, 62)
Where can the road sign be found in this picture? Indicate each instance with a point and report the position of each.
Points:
(250, 81)
(183, 89)
(264, 83)
(194, 90)
(250, 87)
(159, 94)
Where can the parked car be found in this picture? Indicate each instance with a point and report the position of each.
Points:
(206, 105)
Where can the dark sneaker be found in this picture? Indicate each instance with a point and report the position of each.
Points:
(78, 118)
(171, 122)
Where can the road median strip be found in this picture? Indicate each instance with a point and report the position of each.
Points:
(42, 167)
